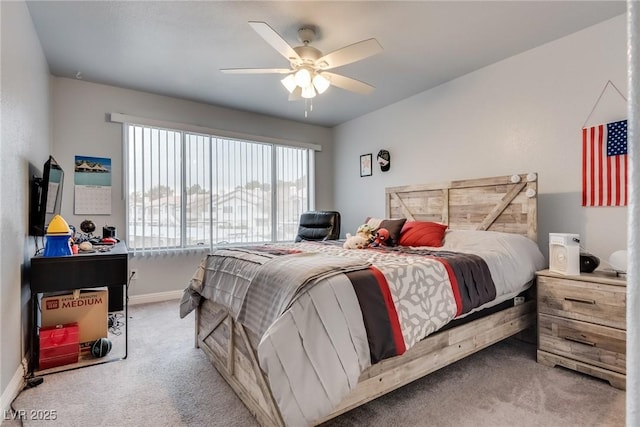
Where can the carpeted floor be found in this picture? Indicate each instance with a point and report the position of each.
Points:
(165, 381)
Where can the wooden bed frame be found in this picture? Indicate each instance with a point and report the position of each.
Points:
(506, 203)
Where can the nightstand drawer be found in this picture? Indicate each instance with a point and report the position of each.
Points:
(598, 303)
(594, 344)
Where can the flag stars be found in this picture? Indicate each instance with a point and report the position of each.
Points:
(617, 138)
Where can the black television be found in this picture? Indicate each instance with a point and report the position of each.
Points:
(46, 197)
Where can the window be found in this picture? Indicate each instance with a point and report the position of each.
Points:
(187, 190)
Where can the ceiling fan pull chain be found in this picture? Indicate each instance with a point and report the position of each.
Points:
(308, 107)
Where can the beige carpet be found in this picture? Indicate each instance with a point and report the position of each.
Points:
(165, 381)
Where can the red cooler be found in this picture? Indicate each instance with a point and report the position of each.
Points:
(59, 345)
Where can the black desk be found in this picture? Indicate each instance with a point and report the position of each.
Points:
(89, 270)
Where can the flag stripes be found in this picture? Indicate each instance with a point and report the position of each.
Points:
(604, 177)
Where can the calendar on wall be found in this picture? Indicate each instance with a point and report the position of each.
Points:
(92, 185)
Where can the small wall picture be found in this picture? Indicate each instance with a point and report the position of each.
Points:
(365, 164)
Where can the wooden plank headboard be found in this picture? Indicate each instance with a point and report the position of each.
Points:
(504, 203)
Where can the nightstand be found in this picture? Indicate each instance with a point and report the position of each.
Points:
(582, 324)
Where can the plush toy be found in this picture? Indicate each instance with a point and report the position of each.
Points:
(381, 237)
(366, 232)
(355, 242)
(363, 238)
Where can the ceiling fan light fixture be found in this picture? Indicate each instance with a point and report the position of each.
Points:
(308, 92)
(289, 82)
(321, 83)
(308, 75)
(303, 77)
(296, 95)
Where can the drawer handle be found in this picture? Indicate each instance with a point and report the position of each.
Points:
(578, 340)
(583, 301)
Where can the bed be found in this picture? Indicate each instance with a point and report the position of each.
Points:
(298, 333)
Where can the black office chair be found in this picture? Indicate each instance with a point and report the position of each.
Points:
(319, 225)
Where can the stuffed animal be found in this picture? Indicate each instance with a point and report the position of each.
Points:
(381, 237)
(366, 232)
(355, 242)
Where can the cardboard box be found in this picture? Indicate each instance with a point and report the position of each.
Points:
(59, 345)
(88, 309)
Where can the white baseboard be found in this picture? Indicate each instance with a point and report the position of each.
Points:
(155, 297)
(15, 386)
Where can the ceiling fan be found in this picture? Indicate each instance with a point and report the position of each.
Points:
(308, 75)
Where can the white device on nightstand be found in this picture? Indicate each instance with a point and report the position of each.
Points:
(564, 253)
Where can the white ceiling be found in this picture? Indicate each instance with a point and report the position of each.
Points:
(177, 48)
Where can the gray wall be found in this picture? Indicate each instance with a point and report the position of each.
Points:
(523, 114)
(25, 147)
(81, 127)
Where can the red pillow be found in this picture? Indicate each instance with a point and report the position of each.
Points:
(422, 233)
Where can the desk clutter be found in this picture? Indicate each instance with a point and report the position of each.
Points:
(72, 325)
(61, 238)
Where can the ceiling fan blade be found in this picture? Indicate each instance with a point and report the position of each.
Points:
(348, 83)
(275, 40)
(348, 54)
(255, 70)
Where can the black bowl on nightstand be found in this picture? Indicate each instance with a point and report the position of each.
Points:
(588, 263)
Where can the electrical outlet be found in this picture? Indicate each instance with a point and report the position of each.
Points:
(133, 274)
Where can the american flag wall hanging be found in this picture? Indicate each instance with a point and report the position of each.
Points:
(604, 164)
